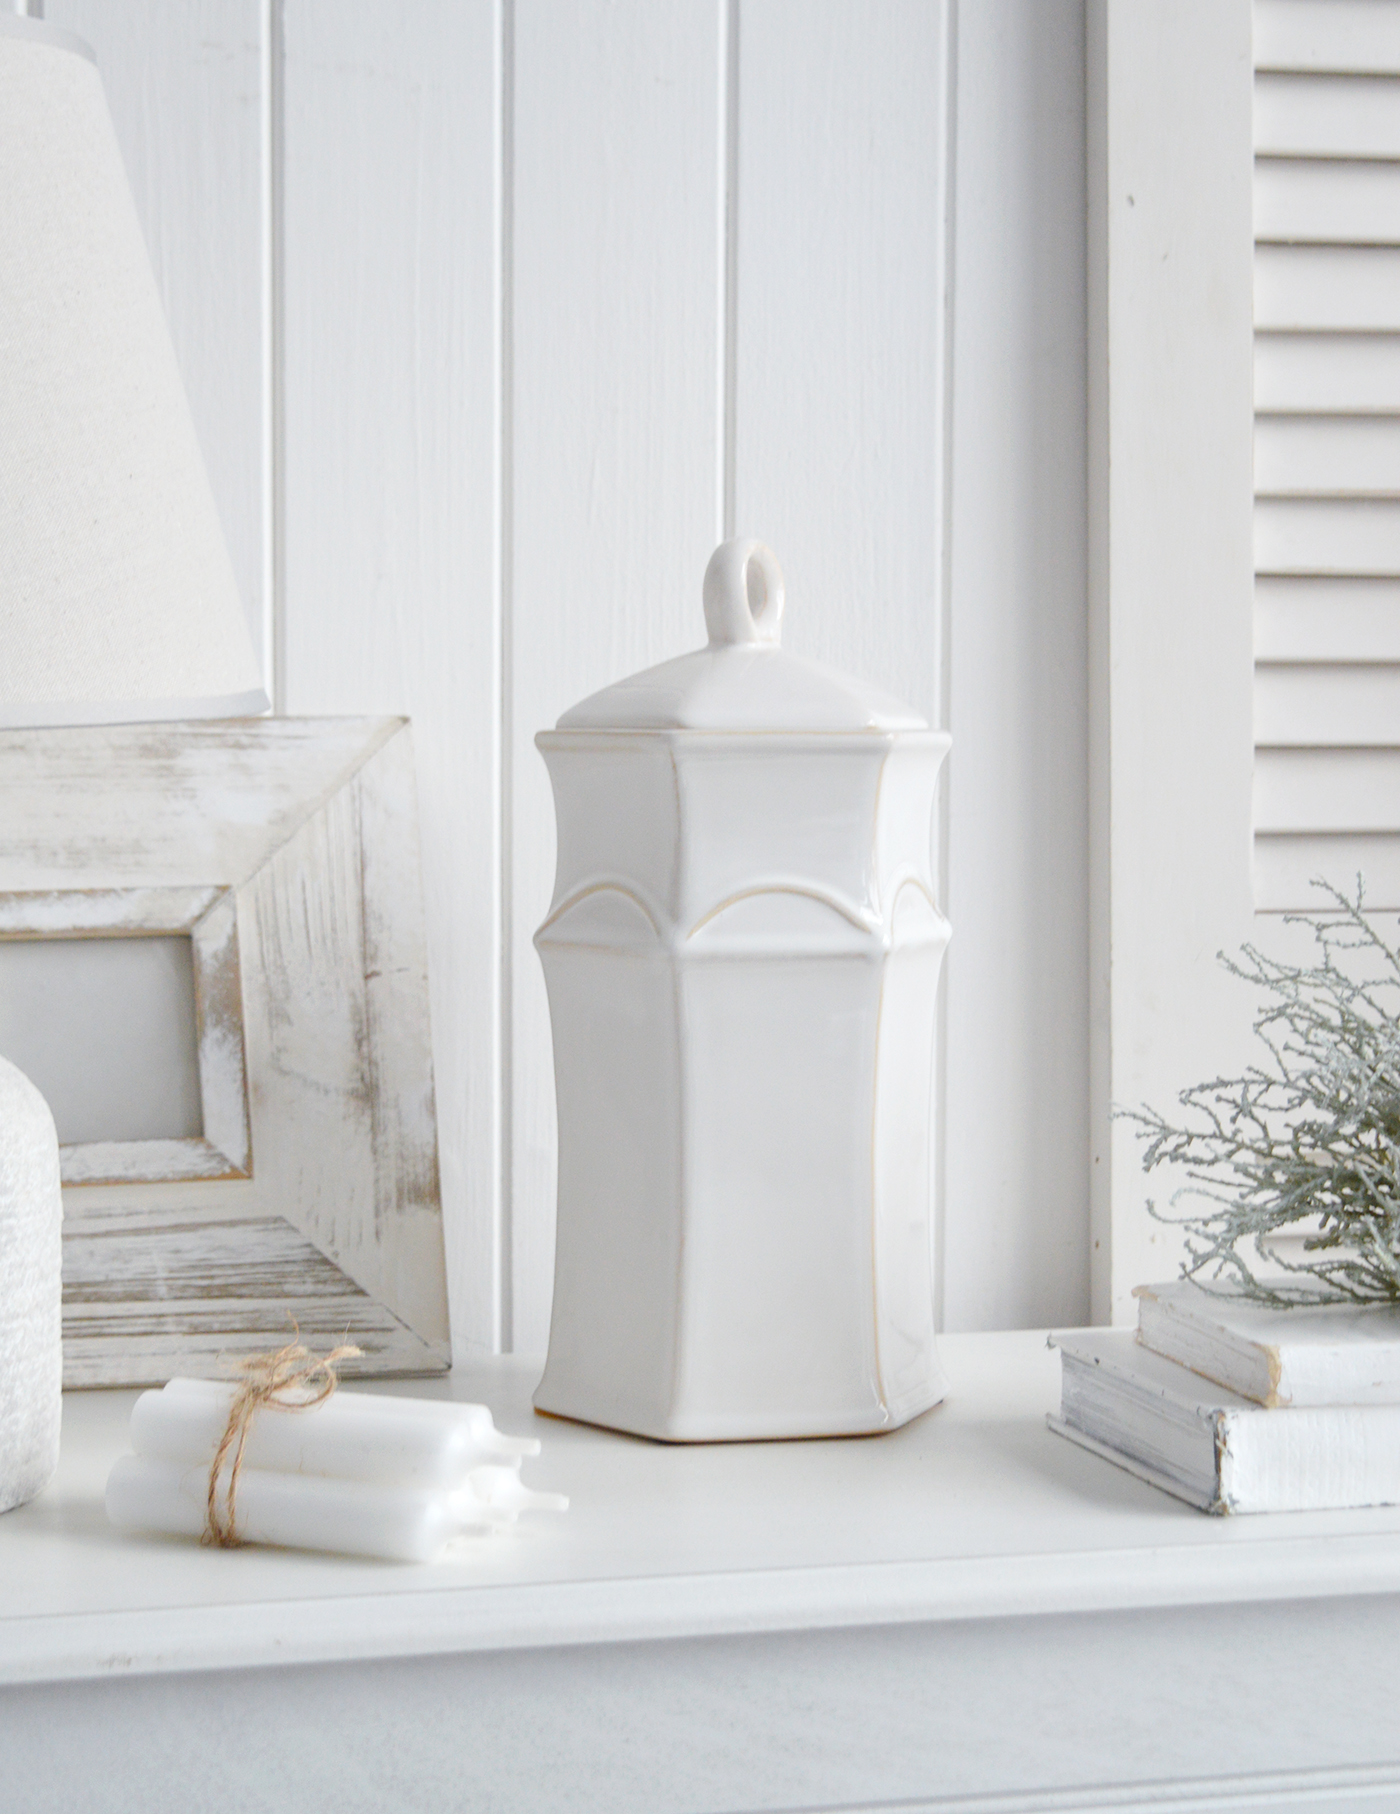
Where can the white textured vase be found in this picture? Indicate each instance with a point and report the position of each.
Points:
(31, 1333)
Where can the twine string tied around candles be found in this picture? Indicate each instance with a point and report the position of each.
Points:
(268, 1380)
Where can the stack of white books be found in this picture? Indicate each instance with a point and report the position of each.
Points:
(1238, 1407)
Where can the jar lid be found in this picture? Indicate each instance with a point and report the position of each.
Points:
(742, 680)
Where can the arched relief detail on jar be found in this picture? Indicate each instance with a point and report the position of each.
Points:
(780, 909)
(913, 896)
(605, 914)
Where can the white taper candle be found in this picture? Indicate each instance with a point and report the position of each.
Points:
(305, 1511)
(350, 1436)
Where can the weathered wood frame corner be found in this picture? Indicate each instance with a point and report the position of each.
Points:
(287, 851)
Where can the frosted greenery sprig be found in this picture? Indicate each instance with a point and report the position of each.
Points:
(1311, 1136)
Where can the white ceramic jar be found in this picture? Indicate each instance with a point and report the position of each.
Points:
(742, 958)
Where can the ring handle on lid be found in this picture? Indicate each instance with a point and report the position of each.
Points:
(744, 593)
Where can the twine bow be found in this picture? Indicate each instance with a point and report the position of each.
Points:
(292, 1369)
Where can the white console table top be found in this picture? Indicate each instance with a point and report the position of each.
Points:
(974, 1510)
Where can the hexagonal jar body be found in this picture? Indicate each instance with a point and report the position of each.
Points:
(742, 959)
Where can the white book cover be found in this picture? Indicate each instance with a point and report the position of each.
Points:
(1317, 1354)
(1213, 1448)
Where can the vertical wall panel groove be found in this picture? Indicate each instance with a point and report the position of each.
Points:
(839, 327)
(393, 437)
(616, 305)
(274, 572)
(273, 625)
(942, 1129)
(503, 1280)
(1016, 1236)
(730, 75)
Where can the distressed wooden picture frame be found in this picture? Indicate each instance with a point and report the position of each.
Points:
(286, 850)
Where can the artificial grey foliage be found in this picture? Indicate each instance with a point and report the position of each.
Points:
(1307, 1141)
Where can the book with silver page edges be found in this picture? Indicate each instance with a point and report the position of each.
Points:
(1214, 1448)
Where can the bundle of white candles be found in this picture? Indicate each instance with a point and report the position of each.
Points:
(395, 1478)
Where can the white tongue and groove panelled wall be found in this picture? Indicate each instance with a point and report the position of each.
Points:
(1327, 449)
(497, 314)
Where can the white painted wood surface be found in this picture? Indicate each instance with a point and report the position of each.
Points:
(1171, 576)
(1350, 36)
(1350, 373)
(832, 1625)
(493, 315)
(1326, 452)
(1226, 777)
(1016, 1232)
(909, 1721)
(843, 241)
(975, 1511)
(616, 297)
(391, 531)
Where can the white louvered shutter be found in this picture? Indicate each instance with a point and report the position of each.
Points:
(1326, 449)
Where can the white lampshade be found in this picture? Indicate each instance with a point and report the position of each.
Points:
(117, 596)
